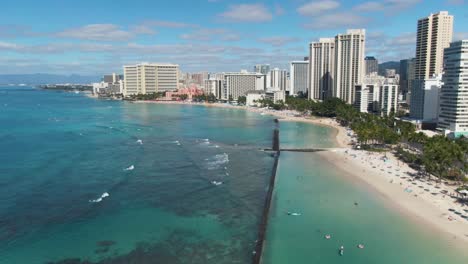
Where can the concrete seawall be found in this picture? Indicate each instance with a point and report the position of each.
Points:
(257, 256)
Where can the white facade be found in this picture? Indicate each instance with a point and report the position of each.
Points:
(322, 68)
(349, 63)
(298, 77)
(388, 99)
(363, 98)
(100, 87)
(278, 79)
(453, 117)
(433, 36)
(239, 83)
(253, 97)
(214, 86)
(425, 99)
(150, 78)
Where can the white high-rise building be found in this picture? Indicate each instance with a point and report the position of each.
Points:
(321, 68)
(239, 83)
(278, 79)
(425, 99)
(367, 93)
(214, 85)
(388, 102)
(349, 63)
(433, 36)
(453, 113)
(150, 78)
(298, 77)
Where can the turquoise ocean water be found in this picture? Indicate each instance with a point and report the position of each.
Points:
(60, 150)
(324, 196)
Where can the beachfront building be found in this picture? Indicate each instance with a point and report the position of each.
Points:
(433, 36)
(189, 91)
(349, 63)
(298, 77)
(148, 78)
(425, 99)
(372, 65)
(322, 68)
(110, 85)
(278, 79)
(214, 85)
(253, 98)
(453, 107)
(239, 83)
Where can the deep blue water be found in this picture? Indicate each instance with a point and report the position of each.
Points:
(60, 150)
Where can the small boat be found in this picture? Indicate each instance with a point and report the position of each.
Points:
(361, 246)
(341, 251)
(327, 236)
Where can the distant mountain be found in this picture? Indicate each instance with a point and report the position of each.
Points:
(389, 65)
(41, 78)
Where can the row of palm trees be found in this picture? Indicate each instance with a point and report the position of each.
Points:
(439, 155)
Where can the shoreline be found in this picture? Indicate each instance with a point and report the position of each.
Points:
(341, 138)
(409, 198)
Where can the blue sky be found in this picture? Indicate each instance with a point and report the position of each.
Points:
(96, 37)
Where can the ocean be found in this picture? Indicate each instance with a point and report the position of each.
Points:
(62, 152)
(99, 181)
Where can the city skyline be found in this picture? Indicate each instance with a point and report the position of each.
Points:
(217, 35)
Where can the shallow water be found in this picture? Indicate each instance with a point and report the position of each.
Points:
(325, 198)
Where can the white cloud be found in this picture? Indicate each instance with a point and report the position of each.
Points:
(102, 32)
(247, 13)
(337, 21)
(393, 5)
(208, 34)
(9, 46)
(278, 41)
(317, 7)
(391, 48)
(167, 24)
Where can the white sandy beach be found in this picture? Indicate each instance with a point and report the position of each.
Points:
(420, 200)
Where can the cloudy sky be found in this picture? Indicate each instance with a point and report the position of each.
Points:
(93, 37)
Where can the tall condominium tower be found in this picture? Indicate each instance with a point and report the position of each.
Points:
(434, 35)
(453, 113)
(298, 77)
(322, 68)
(372, 65)
(349, 63)
(150, 78)
(278, 79)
